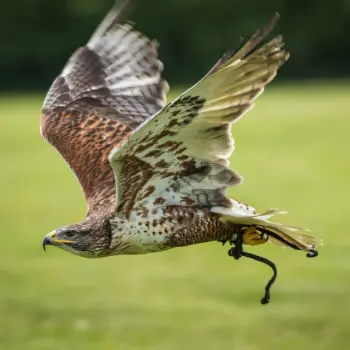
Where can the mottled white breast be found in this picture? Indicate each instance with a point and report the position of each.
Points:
(139, 236)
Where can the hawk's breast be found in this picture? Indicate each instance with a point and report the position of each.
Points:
(140, 236)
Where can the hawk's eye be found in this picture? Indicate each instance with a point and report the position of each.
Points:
(70, 234)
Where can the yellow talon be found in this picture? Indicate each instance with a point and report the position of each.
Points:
(252, 236)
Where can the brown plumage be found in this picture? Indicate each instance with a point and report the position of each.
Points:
(86, 113)
(154, 175)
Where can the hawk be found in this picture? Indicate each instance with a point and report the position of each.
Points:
(155, 175)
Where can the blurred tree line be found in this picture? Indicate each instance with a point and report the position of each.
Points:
(37, 36)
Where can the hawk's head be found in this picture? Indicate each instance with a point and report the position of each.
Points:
(88, 238)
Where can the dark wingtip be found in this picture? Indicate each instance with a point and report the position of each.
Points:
(258, 37)
(241, 51)
(270, 25)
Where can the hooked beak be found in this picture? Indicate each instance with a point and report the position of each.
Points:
(51, 240)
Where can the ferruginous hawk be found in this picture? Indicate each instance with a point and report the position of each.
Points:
(155, 175)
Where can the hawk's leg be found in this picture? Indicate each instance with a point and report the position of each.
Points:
(250, 236)
(237, 250)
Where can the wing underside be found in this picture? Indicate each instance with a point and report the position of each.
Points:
(180, 156)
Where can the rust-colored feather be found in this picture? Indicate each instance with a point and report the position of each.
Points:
(108, 87)
(85, 140)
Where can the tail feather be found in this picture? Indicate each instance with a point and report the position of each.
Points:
(280, 234)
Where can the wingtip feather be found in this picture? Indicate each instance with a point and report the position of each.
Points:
(114, 16)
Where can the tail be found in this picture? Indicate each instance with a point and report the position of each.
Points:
(283, 235)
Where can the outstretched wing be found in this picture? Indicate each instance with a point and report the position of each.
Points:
(107, 88)
(180, 156)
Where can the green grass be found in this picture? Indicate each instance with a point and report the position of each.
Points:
(293, 150)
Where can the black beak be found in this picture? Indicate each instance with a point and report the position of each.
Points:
(47, 241)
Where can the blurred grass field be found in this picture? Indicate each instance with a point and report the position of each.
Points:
(293, 151)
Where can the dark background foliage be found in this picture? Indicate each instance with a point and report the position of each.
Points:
(37, 36)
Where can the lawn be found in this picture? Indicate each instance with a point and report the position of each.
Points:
(293, 150)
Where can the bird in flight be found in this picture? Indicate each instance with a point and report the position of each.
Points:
(155, 174)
